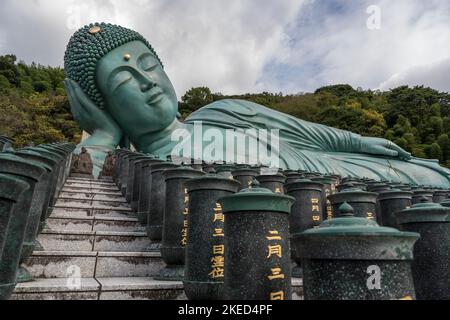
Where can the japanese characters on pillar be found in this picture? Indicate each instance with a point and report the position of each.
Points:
(218, 249)
(275, 253)
(316, 210)
(184, 231)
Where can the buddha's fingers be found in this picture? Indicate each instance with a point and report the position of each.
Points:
(388, 152)
(401, 152)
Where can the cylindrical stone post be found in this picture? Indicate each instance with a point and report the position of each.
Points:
(175, 225)
(257, 245)
(273, 182)
(418, 194)
(205, 254)
(306, 211)
(245, 176)
(327, 208)
(128, 175)
(131, 191)
(145, 189)
(39, 206)
(138, 172)
(51, 185)
(157, 202)
(350, 258)
(225, 170)
(11, 189)
(30, 173)
(59, 172)
(431, 271)
(363, 202)
(293, 176)
(439, 196)
(391, 202)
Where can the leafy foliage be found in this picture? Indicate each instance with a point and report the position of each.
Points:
(33, 106)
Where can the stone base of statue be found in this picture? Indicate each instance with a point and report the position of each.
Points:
(171, 273)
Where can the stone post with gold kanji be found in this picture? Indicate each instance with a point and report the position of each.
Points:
(205, 250)
(175, 222)
(257, 245)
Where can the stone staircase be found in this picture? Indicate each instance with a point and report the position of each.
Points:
(95, 249)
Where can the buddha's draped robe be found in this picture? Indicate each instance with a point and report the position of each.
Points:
(318, 148)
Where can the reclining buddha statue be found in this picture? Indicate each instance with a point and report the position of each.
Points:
(117, 88)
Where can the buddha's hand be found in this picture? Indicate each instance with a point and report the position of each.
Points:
(383, 147)
(98, 123)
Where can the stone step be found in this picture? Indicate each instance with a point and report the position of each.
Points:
(91, 191)
(99, 289)
(88, 264)
(91, 196)
(109, 289)
(114, 224)
(87, 212)
(95, 241)
(90, 182)
(103, 179)
(58, 289)
(83, 188)
(92, 204)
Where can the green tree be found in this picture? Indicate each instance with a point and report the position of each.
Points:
(196, 98)
(444, 142)
(433, 151)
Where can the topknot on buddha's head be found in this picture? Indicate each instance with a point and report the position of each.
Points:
(88, 45)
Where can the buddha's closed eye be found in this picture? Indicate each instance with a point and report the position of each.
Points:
(120, 79)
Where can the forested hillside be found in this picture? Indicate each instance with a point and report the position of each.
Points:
(35, 109)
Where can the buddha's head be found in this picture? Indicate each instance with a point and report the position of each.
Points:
(122, 74)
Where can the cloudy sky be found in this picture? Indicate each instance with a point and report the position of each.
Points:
(238, 46)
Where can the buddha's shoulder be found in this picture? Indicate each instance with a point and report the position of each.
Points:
(235, 106)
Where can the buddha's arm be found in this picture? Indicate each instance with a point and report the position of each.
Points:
(337, 140)
(301, 134)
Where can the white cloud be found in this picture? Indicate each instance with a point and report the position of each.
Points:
(334, 44)
(240, 46)
(222, 44)
(435, 75)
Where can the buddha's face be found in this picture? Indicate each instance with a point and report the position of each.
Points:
(137, 91)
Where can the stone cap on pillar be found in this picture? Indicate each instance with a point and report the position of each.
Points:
(11, 188)
(425, 212)
(352, 238)
(256, 198)
(213, 182)
(304, 184)
(12, 164)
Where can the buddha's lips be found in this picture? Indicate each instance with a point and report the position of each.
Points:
(154, 95)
